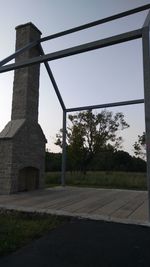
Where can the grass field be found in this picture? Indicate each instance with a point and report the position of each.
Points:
(17, 229)
(122, 180)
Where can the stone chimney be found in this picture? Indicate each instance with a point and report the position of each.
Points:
(22, 142)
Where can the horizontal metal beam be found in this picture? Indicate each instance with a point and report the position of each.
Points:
(18, 52)
(108, 105)
(53, 80)
(128, 36)
(97, 22)
(76, 29)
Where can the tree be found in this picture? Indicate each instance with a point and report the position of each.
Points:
(88, 134)
(140, 146)
(52, 161)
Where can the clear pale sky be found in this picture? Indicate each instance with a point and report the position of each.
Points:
(101, 76)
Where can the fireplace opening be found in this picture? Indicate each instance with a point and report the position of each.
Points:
(28, 179)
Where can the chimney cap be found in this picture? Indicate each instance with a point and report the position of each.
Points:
(28, 24)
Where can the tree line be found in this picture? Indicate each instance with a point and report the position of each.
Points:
(94, 142)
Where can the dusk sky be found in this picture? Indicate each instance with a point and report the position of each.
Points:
(105, 75)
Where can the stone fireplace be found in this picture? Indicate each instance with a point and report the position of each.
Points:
(22, 142)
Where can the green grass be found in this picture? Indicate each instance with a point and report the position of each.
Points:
(122, 180)
(17, 229)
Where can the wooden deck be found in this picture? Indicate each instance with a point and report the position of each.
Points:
(100, 204)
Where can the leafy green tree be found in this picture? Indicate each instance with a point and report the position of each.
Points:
(140, 146)
(52, 161)
(88, 134)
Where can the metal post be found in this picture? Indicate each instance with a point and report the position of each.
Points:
(63, 169)
(146, 68)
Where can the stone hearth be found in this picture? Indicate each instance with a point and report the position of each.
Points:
(22, 142)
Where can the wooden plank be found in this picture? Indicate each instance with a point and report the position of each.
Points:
(30, 200)
(130, 207)
(77, 196)
(141, 213)
(90, 202)
(122, 205)
(120, 200)
(69, 198)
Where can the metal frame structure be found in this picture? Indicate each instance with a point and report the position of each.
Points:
(143, 33)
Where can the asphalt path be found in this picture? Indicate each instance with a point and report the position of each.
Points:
(86, 243)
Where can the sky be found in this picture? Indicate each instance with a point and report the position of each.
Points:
(105, 75)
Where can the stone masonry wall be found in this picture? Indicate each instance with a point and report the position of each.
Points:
(22, 142)
(26, 80)
(5, 165)
(28, 151)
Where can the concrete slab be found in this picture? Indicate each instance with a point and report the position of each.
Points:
(125, 206)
